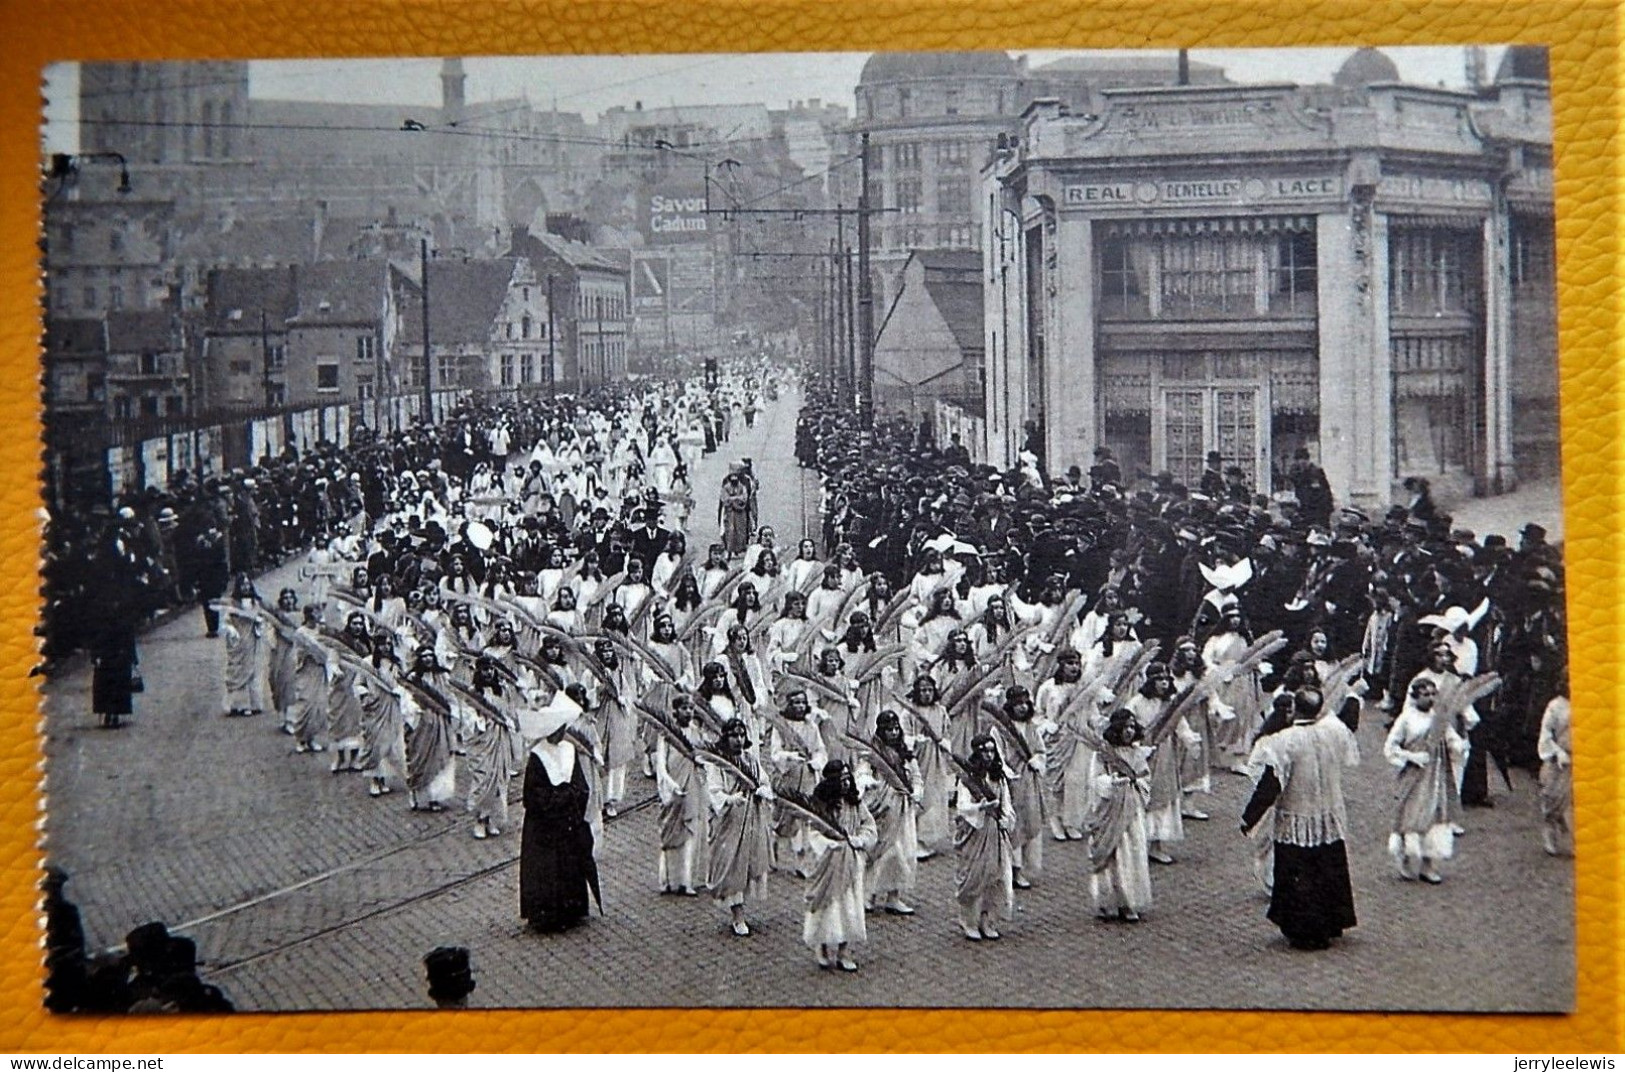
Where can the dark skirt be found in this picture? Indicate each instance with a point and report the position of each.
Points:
(1313, 900)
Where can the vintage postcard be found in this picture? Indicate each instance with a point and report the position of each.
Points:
(1045, 529)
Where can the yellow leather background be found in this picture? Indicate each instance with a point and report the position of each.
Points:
(1585, 69)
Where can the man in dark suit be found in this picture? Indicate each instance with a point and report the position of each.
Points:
(649, 539)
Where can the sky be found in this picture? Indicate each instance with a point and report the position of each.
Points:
(590, 84)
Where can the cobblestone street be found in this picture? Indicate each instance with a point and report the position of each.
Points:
(304, 893)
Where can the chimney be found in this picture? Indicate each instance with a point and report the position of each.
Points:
(318, 228)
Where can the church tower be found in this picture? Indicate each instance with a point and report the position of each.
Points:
(452, 80)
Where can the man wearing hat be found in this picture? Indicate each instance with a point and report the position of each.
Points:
(1105, 470)
(1310, 485)
(1212, 484)
(450, 978)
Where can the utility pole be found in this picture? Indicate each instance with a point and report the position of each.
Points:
(866, 301)
(830, 319)
(552, 331)
(428, 360)
(265, 360)
(850, 362)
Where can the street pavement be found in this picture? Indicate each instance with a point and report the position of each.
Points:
(304, 893)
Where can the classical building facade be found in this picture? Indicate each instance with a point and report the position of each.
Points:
(1363, 269)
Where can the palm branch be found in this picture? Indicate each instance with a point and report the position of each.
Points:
(1337, 684)
(962, 694)
(872, 663)
(666, 730)
(883, 766)
(1056, 635)
(970, 780)
(598, 669)
(633, 646)
(883, 620)
(823, 689)
(793, 800)
(1122, 678)
(1456, 695)
(730, 581)
(604, 590)
(1002, 719)
(844, 608)
(1108, 754)
(644, 610)
(490, 709)
(346, 597)
(700, 620)
(541, 670)
(787, 734)
(723, 763)
(587, 743)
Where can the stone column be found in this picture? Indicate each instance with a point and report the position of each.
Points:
(1355, 372)
(1499, 475)
(1072, 423)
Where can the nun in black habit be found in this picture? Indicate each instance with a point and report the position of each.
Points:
(556, 865)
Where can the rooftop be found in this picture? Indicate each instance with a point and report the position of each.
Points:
(916, 66)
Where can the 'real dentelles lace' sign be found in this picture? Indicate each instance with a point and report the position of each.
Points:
(1218, 190)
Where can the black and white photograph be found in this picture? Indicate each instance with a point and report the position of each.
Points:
(1007, 529)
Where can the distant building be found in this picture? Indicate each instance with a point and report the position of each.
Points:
(929, 345)
(1362, 269)
(343, 336)
(245, 336)
(934, 117)
(147, 371)
(489, 327)
(106, 252)
(590, 303)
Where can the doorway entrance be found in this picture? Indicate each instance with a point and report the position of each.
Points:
(1190, 420)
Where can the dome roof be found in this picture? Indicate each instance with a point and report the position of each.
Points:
(1366, 67)
(909, 66)
(1524, 61)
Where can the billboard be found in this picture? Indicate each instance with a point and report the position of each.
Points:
(651, 282)
(674, 214)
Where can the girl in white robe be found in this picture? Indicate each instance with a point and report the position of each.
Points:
(834, 918)
(1120, 878)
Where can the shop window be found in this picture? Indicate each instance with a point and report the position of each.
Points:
(1208, 275)
(1294, 282)
(1121, 289)
(1429, 271)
